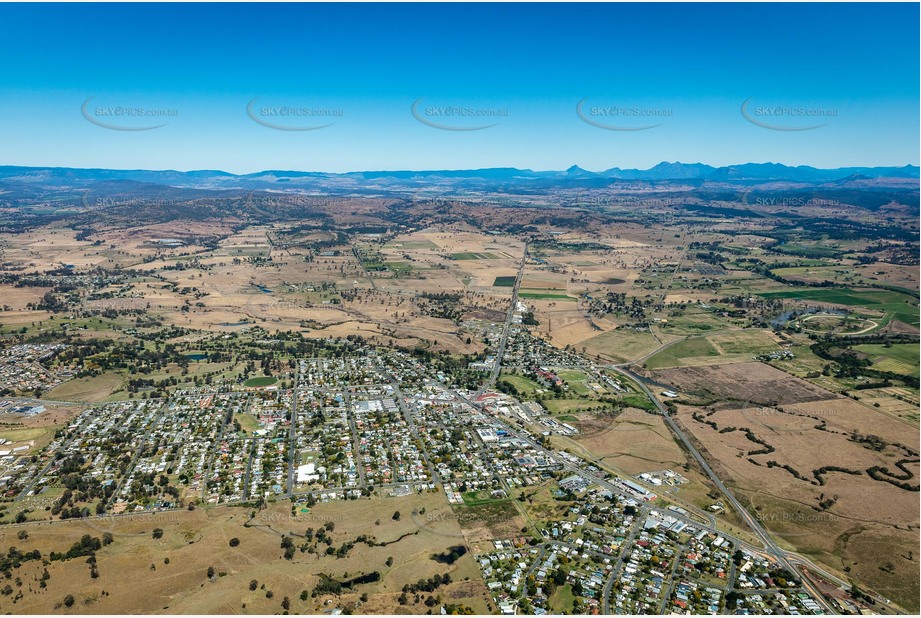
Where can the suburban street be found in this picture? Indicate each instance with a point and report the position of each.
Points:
(776, 552)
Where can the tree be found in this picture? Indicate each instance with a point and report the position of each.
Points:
(558, 577)
(732, 599)
(210, 572)
(286, 603)
(253, 584)
(157, 533)
(396, 516)
(234, 542)
(69, 600)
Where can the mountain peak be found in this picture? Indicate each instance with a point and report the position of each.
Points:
(578, 172)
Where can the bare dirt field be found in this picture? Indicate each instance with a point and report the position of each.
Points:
(753, 382)
(16, 299)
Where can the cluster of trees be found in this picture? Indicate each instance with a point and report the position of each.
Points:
(326, 585)
(454, 553)
(428, 585)
(619, 304)
(79, 489)
(14, 558)
(899, 479)
(445, 305)
(458, 609)
(507, 387)
(849, 364)
(50, 302)
(312, 539)
(148, 484)
(86, 546)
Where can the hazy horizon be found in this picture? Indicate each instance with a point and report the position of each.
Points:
(441, 169)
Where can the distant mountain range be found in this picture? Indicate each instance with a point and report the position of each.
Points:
(746, 173)
(31, 196)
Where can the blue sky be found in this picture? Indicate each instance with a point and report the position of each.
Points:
(852, 68)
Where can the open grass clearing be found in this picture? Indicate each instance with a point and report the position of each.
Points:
(673, 355)
(90, 389)
(902, 358)
(621, 344)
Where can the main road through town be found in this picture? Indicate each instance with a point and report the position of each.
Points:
(500, 351)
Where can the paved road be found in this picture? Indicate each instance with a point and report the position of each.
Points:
(771, 547)
(671, 578)
(31, 485)
(640, 517)
(247, 476)
(665, 346)
(731, 579)
(709, 518)
(214, 451)
(292, 436)
(779, 555)
(362, 264)
(411, 423)
(500, 351)
(51, 460)
(356, 440)
(34, 401)
(545, 546)
(538, 561)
